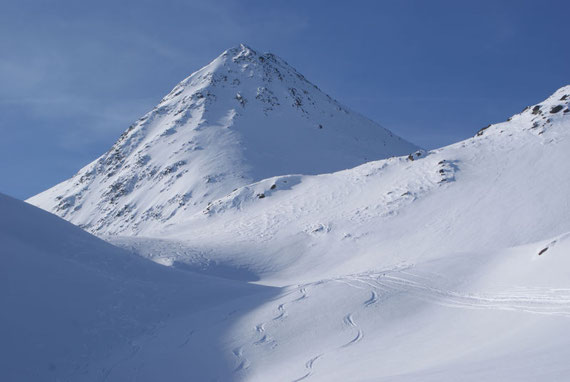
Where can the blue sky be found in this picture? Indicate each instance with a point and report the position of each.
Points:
(75, 74)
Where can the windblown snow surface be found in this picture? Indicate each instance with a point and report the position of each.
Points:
(443, 265)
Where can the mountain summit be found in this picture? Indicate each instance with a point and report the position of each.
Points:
(242, 118)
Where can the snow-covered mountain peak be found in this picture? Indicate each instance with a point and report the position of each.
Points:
(268, 71)
(240, 51)
(242, 118)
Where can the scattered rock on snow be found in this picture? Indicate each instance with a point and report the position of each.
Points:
(482, 131)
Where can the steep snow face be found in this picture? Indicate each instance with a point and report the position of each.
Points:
(242, 118)
(499, 189)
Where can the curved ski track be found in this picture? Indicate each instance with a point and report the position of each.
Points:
(531, 300)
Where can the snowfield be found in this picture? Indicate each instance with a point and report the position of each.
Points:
(294, 264)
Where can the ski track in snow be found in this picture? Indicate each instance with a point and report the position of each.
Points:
(266, 339)
(349, 321)
(402, 280)
(372, 300)
(550, 301)
(303, 292)
(309, 366)
(243, 363)
(282, 312)
(530, 300)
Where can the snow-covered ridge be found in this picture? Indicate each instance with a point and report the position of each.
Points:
(435, 172)
(536, 118)
(430, 169)
(242, 118)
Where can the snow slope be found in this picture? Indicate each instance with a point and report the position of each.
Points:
(492, 316)
(77, 309)
(444, 265)
(501, 188)
(70, 301)
(242, 118)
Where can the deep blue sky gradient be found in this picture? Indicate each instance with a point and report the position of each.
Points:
(75, 74)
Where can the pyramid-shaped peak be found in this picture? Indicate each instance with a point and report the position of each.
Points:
(244, 57)
(240, 50)
(241, 67)
(242, 118)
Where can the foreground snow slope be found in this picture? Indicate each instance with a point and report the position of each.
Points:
(70, 300)
(78, 309)
(243, 117)
(492, 316)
